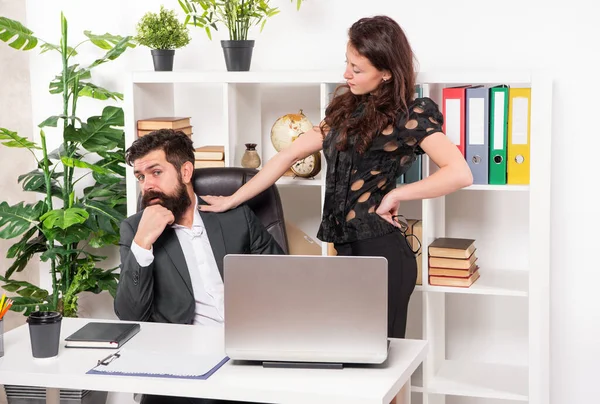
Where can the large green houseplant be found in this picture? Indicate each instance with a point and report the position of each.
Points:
(238, 16)
(65, 226)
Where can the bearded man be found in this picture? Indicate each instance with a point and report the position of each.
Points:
(171, 251)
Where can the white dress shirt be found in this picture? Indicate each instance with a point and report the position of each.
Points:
(207, 283)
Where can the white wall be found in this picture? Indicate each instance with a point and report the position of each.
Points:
(462, 34)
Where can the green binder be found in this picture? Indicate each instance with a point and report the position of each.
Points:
(498, 134)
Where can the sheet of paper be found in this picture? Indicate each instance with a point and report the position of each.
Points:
(155, 363)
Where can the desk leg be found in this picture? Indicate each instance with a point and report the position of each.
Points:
(403, 396)
(52, 396)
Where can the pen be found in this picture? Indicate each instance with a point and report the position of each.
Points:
(3, 311)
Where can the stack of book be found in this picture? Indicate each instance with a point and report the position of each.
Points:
(183, 124)
(209, 156)
(452, 262)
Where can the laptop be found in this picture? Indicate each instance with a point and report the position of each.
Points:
(306, 309)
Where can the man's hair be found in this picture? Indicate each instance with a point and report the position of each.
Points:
(177, 146)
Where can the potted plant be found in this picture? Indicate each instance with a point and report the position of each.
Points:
(162, 33)
(238, 16)
(65, 226)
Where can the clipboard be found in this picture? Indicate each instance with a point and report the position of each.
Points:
(158, 364)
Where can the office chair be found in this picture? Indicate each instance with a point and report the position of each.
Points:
(266, 205)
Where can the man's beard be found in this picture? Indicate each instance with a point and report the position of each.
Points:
(176, 203)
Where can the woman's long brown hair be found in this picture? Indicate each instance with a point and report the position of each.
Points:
(381, 40)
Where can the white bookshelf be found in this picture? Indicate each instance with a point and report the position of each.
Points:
(488, 343)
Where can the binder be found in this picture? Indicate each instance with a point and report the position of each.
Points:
(519, 126)
(477, 132)
(453, 109)
(498, 134)
(414, 172)
(159, 364)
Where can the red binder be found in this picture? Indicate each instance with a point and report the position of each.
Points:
(453, 108)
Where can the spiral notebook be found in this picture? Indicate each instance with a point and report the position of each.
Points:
(159, 364)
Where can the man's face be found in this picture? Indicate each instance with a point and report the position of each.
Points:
(161, 183)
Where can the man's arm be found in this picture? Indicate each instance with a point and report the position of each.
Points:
(135, 290)
(261, 241)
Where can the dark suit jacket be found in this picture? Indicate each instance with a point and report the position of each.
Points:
(162, 291)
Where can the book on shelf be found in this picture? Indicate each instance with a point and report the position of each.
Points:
(209, 163)
(186, 130)
(460, 273)
(456, 281)
(210, 153)
(164, 122)
(450, 247)
(452, 263)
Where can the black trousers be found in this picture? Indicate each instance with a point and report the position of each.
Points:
(402, 273)
(146, 399)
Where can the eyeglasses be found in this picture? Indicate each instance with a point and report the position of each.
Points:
(401, 220)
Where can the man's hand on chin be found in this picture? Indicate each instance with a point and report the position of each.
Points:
(154, 220)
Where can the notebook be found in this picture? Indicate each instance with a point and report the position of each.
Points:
(102, 335)
(159, 364)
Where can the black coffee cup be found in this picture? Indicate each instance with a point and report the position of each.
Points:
(44, 332)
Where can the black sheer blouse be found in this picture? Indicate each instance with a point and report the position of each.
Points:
(355, 184)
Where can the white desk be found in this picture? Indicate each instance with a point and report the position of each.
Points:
(253, 383)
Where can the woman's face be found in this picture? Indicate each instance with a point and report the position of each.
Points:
(360, 74)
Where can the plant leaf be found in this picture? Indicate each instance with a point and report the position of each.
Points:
(56, 85)
(35, 181)
(50, 47)
(17, 219)
(114, 52)
(105, 41)
(64, 218)
(12, 139)
(25, 40)
(105, 210)
(73, 234)
(24, 250)
(99, 134)
(98, 93)
(71, 162)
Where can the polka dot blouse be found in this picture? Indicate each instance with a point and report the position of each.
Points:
(356, 184)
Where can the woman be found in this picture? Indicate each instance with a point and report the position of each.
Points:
(370, 136)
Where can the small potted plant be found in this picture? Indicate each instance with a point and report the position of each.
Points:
(162, 33)
(238, 16)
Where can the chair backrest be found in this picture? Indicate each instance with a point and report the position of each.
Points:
(266, 205)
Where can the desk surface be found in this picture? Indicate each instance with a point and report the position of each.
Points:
(234, 381)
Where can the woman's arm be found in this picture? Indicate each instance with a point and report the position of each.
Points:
(454, 174)
(309, 142)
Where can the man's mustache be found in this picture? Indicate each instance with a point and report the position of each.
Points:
(148, 196)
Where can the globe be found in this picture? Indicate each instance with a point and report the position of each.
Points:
(287, 128)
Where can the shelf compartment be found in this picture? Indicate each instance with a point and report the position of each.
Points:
(492, 282)
(484, 380)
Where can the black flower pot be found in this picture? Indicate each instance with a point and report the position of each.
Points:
(238, 55)
(163, 59)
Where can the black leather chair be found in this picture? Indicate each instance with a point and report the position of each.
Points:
(266, 205)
